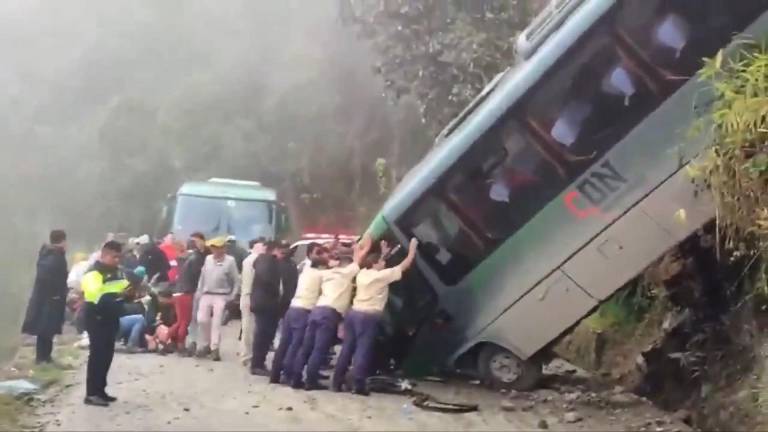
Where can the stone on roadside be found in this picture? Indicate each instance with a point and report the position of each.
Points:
(508, 405)
(542, 424)
(572, 417)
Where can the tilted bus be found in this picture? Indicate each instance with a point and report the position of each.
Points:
(558, 185)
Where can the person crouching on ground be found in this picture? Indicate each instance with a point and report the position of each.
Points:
(47, 304)
(361, 324)
(218, 286)
(161, 319)
(132, 322)
(295, 320)
(335, 298)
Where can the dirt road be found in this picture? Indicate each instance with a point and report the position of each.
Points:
(175, 394)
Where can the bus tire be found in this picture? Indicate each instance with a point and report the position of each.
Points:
(502, 370)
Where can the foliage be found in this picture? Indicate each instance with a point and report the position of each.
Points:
(441, 52)
(625, 309)
(736, 166)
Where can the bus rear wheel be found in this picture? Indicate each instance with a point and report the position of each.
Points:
(501, 369)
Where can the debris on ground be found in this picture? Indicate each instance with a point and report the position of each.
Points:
(572, 417)
(18, 387)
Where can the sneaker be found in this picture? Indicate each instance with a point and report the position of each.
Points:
(169, 349)
(297, 385)
(323, 376)
(108, 398)
(360, 388)
(311, 386)
(203, 352)
(192, 348)
(361, 391)
(135, 350)
(95, 401)
(259, 371)
(215, 356)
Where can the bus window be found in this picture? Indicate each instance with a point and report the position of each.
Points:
(446, 243)
(675, 35)
(503, 182)
(593, 97)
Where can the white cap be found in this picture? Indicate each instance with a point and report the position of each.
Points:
(142, 240)
(231, 238)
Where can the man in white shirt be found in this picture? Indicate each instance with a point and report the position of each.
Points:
(297, 316)
(361, 323)
(247, 325)
(335, 298)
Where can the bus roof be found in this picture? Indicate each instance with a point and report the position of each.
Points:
(231, 190)
(508, 91)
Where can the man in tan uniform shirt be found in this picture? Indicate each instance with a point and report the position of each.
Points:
(361, 323)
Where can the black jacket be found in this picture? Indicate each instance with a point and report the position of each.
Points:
(238, 253)
(189, 275)
(45, 311)
(155, 262)
(289, 274)
(265, 296)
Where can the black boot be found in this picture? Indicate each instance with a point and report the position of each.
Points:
(361, 388)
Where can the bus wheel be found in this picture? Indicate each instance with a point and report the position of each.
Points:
(500, 369)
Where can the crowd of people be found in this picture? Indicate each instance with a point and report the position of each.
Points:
(174, 296)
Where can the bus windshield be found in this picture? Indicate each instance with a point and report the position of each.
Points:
(220, 216)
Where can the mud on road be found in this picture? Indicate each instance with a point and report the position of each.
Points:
(182, 394)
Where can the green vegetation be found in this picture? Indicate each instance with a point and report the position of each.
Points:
(626, 309)
(11, 412)
(736, 167)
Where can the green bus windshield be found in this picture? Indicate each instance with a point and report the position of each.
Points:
(221, 216)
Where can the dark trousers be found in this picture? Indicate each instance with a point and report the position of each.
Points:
(43, 348)
(102, 332)
(266, 327)
(291, 338)
(360, 329)
(319, 338)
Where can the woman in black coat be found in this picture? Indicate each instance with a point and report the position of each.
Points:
(45, 311)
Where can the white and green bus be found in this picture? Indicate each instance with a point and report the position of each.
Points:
(559, 184)
(224, 207)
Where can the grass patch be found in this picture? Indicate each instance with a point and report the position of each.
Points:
(625, 310)
(11, 413)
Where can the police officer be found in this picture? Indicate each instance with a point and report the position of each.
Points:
(103, 287)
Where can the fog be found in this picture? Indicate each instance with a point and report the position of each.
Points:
(108, 106)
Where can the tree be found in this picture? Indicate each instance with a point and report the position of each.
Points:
(441, 52)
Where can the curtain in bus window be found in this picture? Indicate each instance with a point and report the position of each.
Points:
(675, 35)
(569, 123)
(619, 82)
(593, 98)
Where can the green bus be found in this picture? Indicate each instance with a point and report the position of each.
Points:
(224, 207)
(560, 183)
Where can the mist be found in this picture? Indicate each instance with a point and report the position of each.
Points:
(109, 106)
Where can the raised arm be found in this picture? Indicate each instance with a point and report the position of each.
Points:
(362, 248)
(408, 261)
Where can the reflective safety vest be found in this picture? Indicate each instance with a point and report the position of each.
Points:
(95, 285)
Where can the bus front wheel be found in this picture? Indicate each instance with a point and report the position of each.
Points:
(501, 369)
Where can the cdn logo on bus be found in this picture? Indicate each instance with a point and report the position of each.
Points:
(594, 190)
